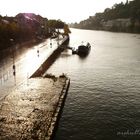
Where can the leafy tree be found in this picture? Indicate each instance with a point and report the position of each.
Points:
(55, 24)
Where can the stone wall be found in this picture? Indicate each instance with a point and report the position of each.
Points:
(121, 25)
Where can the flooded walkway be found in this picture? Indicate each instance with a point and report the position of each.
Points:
(26, 63)
(30, 110)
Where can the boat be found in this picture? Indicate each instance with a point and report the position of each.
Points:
(84, 49)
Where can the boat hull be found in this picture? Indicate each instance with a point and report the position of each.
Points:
(84, 50)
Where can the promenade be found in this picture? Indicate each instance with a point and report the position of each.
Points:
(31, 107)
(27, 60)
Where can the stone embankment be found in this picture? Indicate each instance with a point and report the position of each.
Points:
(49, 61)
(31, 111)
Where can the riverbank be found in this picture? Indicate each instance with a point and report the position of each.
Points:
(49, 61)
(116, 25)
(121, 17)
(32, 108)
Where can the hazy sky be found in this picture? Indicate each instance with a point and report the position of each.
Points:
(66, 10)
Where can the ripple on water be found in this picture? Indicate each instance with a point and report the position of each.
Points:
(104, 94)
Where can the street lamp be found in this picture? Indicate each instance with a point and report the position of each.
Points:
(58, 38)
(50, 42)
(14, 66)
(38, 52)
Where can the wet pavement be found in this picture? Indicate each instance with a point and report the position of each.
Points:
(27, 111)
(27, 60)
(29, 106)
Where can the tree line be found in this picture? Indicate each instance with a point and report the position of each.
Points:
(129, 10)
(24, 27)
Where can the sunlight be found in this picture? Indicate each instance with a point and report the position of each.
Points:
(69, 11)
(31, 63)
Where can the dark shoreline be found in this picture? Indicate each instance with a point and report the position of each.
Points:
(104, 30)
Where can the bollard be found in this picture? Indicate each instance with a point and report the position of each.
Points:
(38, 53)
(14, 73)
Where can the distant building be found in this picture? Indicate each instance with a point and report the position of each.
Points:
(30, 21)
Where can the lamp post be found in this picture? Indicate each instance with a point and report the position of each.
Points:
(58, 38)
(38, 52)
(13, 56)
(50, 43)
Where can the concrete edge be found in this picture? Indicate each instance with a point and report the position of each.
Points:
(58, 111)
(50, 60)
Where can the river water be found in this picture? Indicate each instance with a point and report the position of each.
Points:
(103, 102)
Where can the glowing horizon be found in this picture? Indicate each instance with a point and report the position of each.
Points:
(70, 11)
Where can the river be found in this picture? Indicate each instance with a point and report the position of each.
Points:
(103, 102)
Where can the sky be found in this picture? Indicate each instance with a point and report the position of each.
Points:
(66, 10)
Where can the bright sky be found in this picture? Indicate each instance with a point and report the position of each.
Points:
(66, 10)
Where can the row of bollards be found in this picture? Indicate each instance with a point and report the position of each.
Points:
(6, 74)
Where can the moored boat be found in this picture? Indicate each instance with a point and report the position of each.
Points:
(84, 49)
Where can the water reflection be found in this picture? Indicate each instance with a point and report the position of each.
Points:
(104, 94)
(66, 53)
(32, 61)
(83, 56)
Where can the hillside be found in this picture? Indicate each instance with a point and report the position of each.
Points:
(122, 17)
